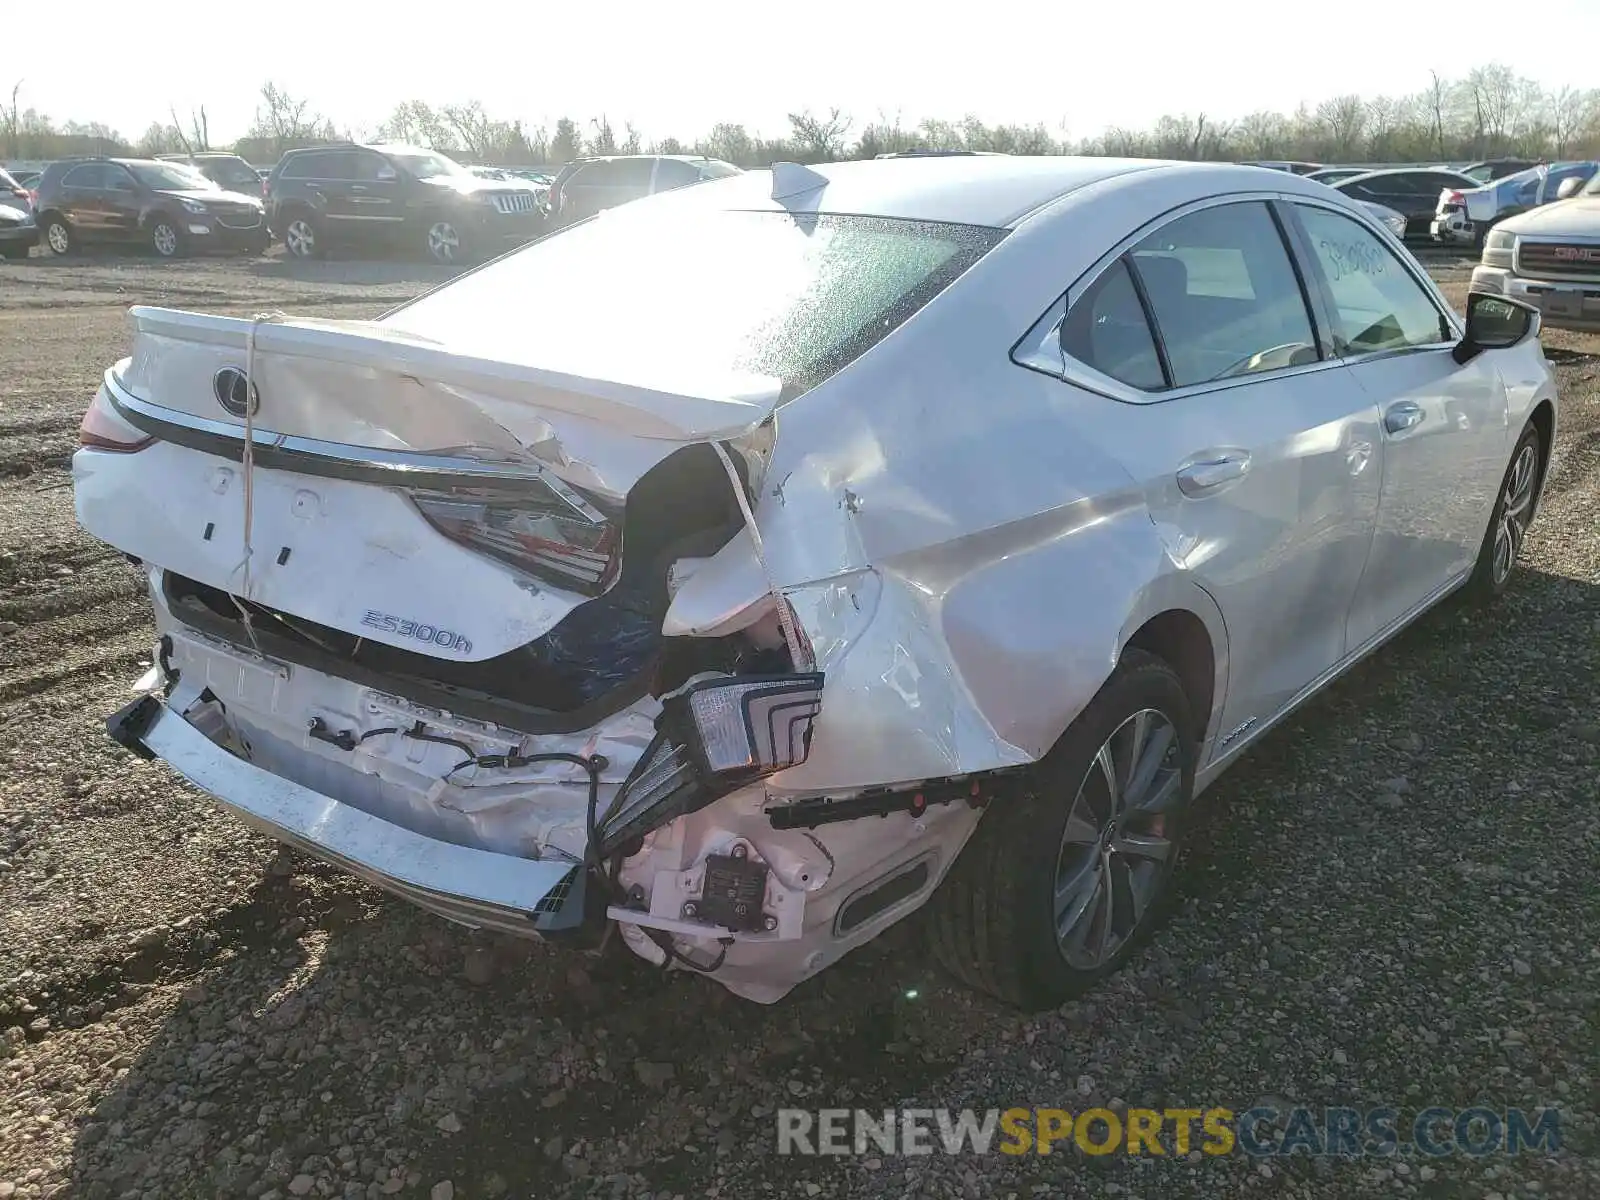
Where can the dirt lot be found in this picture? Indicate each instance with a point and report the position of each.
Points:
(1394, 903)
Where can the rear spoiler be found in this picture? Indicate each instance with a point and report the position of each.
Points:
(642, 411)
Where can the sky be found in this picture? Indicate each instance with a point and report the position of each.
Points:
(676, 69)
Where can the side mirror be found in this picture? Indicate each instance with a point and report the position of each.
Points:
(1495, 323)
(1569, 188)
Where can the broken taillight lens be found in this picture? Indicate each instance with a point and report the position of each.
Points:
(544, 528)
(713, 736)
(1455, 198)
(102, 429)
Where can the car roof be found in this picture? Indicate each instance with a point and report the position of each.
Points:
(992, 190)
(1388, 171)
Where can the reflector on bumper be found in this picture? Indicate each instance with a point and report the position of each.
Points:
(473, 887)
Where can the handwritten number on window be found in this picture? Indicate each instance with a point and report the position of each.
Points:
(1343, 259)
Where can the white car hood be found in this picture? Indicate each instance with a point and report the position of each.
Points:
(1578, 217)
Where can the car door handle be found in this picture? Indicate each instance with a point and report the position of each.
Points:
(358, 187)
(1201, 477)
(1403, 416)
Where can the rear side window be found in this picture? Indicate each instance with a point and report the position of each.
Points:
(675, 173)
(631, 172)
(1106, 329)
(1224, 295)
(593, 174)
(87, 175)
(703, 301)
(325, 165)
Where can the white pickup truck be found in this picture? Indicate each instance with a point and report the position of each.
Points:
(1549, 256)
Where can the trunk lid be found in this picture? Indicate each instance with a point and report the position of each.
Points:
(451, 506)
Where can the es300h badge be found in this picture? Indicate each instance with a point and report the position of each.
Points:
(420, 630)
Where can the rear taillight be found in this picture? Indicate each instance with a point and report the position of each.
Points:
(103, 429)
(545, 529)
(1455, 198)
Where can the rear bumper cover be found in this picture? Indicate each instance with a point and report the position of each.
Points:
(478, 888)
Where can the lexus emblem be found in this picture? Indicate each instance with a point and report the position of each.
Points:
(232, 389)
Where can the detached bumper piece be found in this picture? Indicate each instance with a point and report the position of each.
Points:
(478, 888)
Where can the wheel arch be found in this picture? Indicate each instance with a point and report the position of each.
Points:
(1543, 418)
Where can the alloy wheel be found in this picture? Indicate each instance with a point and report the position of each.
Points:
(165, 239)
(1516, 509)
(444, 242)
(300, 239)
(58, 238)
(1115, 849)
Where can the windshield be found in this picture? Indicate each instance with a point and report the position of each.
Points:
(170, 176)
(423, 165)
(668, 297)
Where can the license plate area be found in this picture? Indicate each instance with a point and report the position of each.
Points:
(1561, 304)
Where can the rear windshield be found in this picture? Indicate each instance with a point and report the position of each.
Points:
(667, 297)
(231, 173)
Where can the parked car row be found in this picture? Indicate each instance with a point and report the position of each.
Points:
(1465, 216)
(395, 198)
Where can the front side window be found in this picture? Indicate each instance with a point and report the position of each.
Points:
(1106, 329)
(1377, 304)
(673, 297)
(1224, 295)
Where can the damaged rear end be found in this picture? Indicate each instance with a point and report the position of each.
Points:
(412, 583)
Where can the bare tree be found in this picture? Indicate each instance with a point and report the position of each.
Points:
(604, 140)
(415, 122)
(1438, 99)
(1570, 110)
(13, 122)
(820, 139)
(1343, 121)
(285, 120)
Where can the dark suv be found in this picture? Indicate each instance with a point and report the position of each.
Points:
(396, 197)
(227, 171)
(166, 206)
(588, 185)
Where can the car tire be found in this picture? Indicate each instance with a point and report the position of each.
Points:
(445, 242)
(302, 236)
(994, 921)
(166, 237)
(58, 236)
(1514, 507)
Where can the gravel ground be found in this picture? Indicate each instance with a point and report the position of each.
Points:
(1392, 903)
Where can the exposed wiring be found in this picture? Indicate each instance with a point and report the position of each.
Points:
(785, 620)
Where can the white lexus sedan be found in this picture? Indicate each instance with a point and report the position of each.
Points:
(748, 567)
